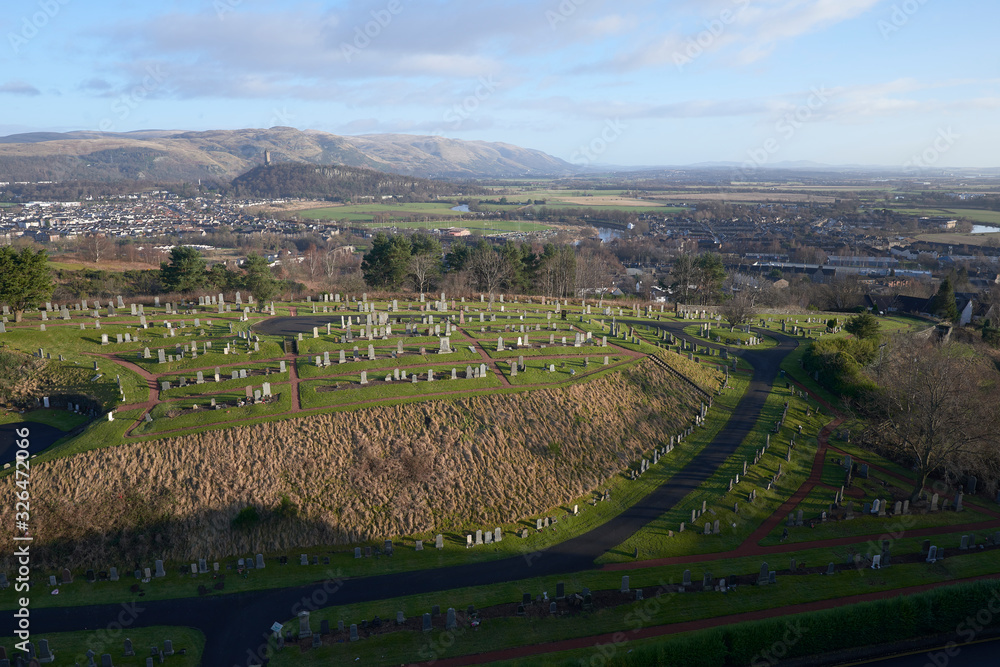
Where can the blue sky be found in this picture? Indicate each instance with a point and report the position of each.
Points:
(628, 82)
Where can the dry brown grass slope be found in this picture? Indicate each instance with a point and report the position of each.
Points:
(368, 474)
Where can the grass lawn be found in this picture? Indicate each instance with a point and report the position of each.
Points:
(60, 419)
(819, 500)
(505, 632)
(350, 390)
(475, 226)
(165, 419)
(238, 354)
(974, 214)
(723, 336)
(460, 356)
(70, 647)
(537, 370)
(654, 540)
(367, 212)
(314, 346)
(226, 383)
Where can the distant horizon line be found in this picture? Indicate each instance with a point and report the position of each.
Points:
(746, 166)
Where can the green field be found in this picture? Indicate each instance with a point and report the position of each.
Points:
(474, 226)
(70, 647)
(974, 214)
(367, 212)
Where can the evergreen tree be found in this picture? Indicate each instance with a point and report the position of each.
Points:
(387, 264)
(863, 325)
(710, 274)
(258, 279)
(185, 271)
(943, 303)
(457, 257)
(25, 279)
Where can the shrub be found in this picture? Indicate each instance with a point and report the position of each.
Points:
(247, 518)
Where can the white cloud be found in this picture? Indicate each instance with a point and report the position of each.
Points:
(19, 88)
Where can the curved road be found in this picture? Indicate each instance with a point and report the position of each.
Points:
(236, 627)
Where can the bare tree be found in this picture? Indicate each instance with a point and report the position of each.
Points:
(96, 247)
(843, 293)
(490, 269)
(312, 262)
(746, 292)
(935, 407)
(741, 309)
(594, 270)
(684, 274)
(339, 262)
(423, 268)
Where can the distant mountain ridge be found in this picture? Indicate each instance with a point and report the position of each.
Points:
(340, 183)
(173, 155)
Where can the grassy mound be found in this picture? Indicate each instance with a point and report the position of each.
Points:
(353, 476)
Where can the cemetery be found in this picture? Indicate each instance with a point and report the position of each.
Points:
(179, 646)
(442, 419)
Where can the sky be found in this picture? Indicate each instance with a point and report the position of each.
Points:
(903, 83)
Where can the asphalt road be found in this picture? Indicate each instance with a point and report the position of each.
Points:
(236, 627)
(979, 654)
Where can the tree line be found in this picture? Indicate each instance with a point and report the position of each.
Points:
(186, 271)
(418, 261)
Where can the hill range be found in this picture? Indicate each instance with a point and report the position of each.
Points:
(221, 155)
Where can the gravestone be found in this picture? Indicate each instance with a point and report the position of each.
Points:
(304, 630)
(427, 627)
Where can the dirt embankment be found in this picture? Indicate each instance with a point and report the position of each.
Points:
(339, 478)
